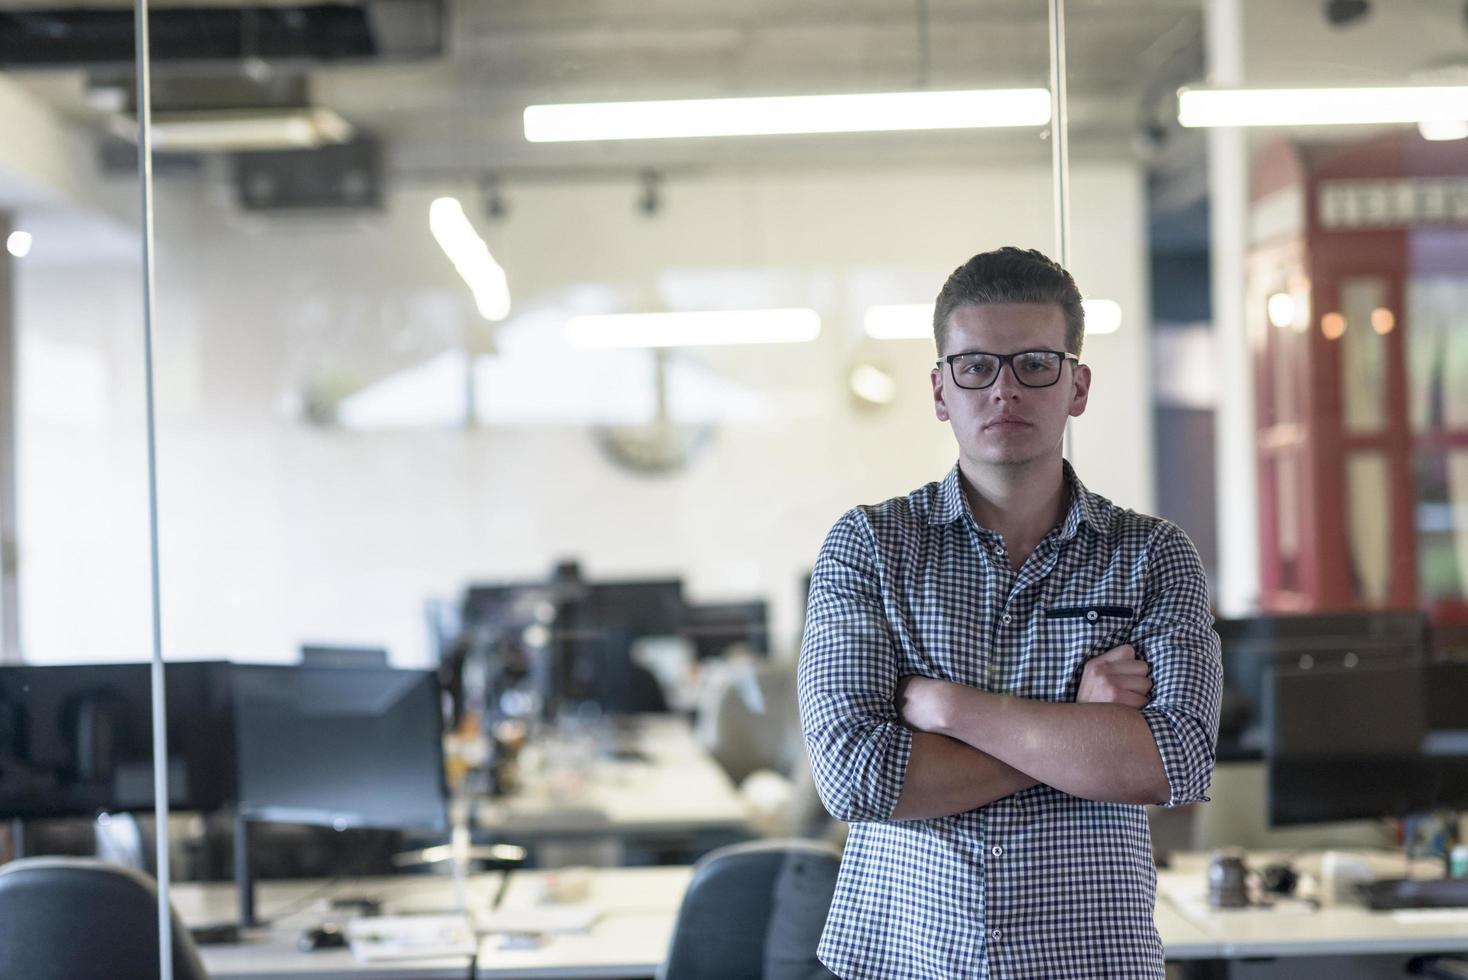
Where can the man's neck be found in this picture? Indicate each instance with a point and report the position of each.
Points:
(1020, 503)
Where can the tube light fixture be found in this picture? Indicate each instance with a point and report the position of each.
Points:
(914, 321)
(240, 130)
(1323, 106)
(1442, 130)
(19, 244)
(694, 329)
(873, 385)
(470, 256)
(877, 112)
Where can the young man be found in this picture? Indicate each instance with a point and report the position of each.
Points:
(1000, 670)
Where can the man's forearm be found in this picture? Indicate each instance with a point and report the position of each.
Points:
(1095, 751)
(945, 776)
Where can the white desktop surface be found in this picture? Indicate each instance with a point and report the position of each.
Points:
(676, 788)
(638, 909)
(271, 954)
(630, 938)
(1330, 931)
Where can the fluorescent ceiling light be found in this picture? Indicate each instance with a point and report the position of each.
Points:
(871, 384)
(1444, 129)
(240, 129)
(19, 244)
(1103, 316)
(1323, 106)
(470, 256)
(880, 112)
(700, 329)
(902, 321)
(914, 321)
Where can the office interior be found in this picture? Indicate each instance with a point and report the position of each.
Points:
(480, 603)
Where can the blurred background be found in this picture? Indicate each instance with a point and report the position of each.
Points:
(412, 452)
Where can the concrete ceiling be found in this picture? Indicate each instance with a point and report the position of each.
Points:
(459, 115)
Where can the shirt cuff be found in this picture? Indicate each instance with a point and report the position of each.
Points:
(1188, 772)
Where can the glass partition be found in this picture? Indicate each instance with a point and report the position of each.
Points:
(476, 375)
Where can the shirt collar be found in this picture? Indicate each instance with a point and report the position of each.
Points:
(950, 504)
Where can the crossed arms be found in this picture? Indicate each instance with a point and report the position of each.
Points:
(970, 747)
(884, 747)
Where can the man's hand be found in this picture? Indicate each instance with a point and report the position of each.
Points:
(1117, 676)
(922, 703)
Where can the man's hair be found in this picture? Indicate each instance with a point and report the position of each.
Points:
(1011, 275)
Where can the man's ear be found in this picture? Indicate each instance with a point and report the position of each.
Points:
(939, 408)
(1080, 389)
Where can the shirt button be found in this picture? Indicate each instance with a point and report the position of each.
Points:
(999, 549)
(1007, 618)
(997, 851)
(996, 935)
(1092, 616)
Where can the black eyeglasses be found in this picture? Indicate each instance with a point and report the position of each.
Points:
(1032, 368)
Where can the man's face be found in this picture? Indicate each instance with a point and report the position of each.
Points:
(1008, 423)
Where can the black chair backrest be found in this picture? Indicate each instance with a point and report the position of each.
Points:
(755, 912)
(62, 918)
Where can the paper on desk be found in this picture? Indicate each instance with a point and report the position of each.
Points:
(539, 919)
(396, 937)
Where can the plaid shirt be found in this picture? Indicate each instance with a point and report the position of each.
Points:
(1039, 884)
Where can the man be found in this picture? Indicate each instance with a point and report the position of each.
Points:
(1000, 670)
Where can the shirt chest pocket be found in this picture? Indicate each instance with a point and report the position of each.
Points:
(1071, 635)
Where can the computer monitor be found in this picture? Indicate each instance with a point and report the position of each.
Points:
(77, 739)
(342, 748)
(713, 629)
(593, 638)
(1253, 645)
(1377, 740)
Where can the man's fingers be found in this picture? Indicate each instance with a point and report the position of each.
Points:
(1122, 653)
(1139, 685)
(1138, 668)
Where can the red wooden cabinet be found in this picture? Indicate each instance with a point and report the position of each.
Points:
(1357, 313)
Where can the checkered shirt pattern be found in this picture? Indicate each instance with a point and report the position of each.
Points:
(1041, 884)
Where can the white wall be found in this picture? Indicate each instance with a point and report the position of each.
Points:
(275, 532)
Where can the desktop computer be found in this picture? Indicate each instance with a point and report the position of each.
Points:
(76, 740)
(358, 748)
(1255, 645)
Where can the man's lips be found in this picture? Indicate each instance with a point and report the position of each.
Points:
(1008, 422)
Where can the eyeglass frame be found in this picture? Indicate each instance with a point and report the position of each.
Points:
(1007, 360)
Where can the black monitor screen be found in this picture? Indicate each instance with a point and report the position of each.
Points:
(344, 748)
(1378, 740)
(1253, 646)
(76, 740)
(713, 629)
(594, 636)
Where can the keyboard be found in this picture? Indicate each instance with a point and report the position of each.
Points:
(1409, 893)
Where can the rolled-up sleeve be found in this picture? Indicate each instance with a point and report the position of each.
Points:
(1175, 635)
(847, 680)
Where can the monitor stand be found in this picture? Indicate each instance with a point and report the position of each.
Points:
(244, 881)
(218, 933)
(17, 838)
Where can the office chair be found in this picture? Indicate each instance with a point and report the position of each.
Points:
(755, 912)
(62, 918)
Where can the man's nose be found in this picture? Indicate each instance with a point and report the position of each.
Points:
(1007, 384)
